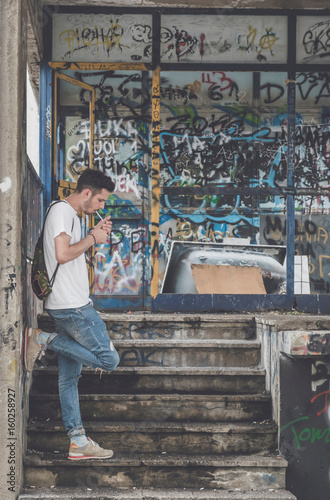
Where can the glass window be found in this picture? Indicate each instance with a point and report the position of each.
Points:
(312, 168)
(224, 131)
(121, 134)
(313, 39)
(216, 38)
(102, 38)
(118, 145)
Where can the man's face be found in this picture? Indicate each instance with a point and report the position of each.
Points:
(95, 202)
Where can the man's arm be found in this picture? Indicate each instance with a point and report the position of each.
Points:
(65, 252)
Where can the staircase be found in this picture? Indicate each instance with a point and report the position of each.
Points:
(185, 412)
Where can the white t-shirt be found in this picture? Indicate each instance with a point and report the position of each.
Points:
(71, 287)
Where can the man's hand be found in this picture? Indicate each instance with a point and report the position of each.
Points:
(102, 230)
(65, 252)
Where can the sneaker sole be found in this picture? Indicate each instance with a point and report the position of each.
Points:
(89, 457)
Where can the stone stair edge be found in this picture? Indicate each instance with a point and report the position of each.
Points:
(151, 494)
(264, 427)
(42, 459)
(165, 370)
(281, 321)
(189, 343)
(165, 397)
(139, 316)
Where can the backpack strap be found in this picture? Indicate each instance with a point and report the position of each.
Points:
(52, 279)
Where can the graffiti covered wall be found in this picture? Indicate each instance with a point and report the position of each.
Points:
(121, 150)
(81, 37)
(313, 39)
(247, 38)
(217, 133)
(221, 139)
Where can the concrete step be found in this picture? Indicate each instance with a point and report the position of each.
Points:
(146, 380)
(138, 326)
(158, 407)
(162, 437)
(185, 409)
(181, 330)
(257, 472)
(185, 353)
(189, 353)
(151, 494)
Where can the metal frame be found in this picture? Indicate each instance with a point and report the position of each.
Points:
(46, 132)
(155, 181)
(90, 88)
(98, 66)
(60, 184)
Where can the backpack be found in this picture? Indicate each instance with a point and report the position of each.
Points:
(41, 284)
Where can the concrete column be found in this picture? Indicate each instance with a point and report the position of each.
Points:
(12, 163)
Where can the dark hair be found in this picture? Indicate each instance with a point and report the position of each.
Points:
(95, 180)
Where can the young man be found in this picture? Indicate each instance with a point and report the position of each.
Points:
(80, 337)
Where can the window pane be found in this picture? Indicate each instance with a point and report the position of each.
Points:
(313, 39)
(225, 140)
(312, 169)
(216, 38)
(211, 134)
(121, 134)
(273, 91)
(102, 38)
(206, 88)
(313, 90)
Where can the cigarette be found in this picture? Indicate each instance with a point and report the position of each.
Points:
(99, 215)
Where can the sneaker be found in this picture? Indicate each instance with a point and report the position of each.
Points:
(90, 450)
(32, 347)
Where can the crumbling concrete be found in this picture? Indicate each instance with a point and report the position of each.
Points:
(12, 160)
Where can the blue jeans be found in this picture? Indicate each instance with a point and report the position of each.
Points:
(80, 338)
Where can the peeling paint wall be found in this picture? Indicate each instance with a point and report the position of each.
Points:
(12, 163)
(297, 367)
(19, 208)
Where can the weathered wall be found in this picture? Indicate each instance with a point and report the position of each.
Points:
(305, 425)
(12, 105)
(222, 4)
(297, 363)
(35, 22)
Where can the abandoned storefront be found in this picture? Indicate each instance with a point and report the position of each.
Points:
(215, 129)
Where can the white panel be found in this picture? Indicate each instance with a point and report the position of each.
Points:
(313, 39)
(215, 38)
(206, 88)
(301, 275)
(102, 38)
